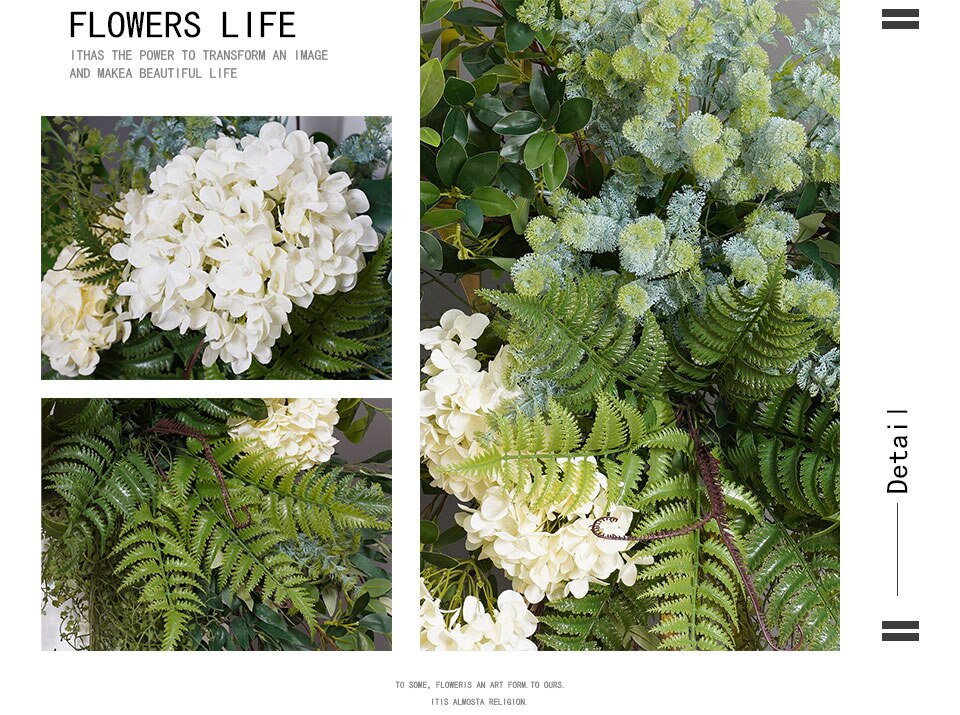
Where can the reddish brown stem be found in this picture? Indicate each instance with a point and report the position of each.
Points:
(168, 426)
(709, 470)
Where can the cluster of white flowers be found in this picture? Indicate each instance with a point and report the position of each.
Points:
(509, 627)
(542, 558)
(75, 320)
(230, 238)
(457, 396)
(300, 429)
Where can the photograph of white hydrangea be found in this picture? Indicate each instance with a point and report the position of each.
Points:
(630, 263)
(216, 524)
(216, 247)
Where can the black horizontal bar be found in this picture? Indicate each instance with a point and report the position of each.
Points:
(901, 13)
(902, 625)
(901, 636)
(900, 25)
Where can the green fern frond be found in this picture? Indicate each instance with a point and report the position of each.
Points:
(747, 344)
(798, 576)
(545, 459)
(794, 448)
(98, 486)
(607, 618)
(575, 338)
(156, 559)
(693, 581)
(315, 502)
(344, 335)
(95, 263)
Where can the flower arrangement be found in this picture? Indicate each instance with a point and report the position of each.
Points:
(228, 248)
(630, 420)
(194, 524)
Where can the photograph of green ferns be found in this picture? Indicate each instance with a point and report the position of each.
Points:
(216, 524)
(630, 389)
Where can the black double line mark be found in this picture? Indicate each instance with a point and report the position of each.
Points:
(901, 24)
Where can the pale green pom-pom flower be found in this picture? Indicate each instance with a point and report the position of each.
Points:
(628, 63)
(597, 64)
(820, 300)
(639, 242)
(709, 162)
(699, 130)
(683, 256)
(664, 70)
(670, 15)
(540, 232)
(535, 273)
(633, 300)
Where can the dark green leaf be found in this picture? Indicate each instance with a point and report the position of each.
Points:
(457, 92)
(488, 110)
(808, 199)
(517, 180)
(517, 35)
(429, 193)
(538, 93)
(522, 122)
(478, 171)
(574, 115)
(474, 17)
(429, 532)
(485, 84)
(493, 202)
(472, 215)
(380, 195)
(588, 171)
(376, 622)
(451, 157)
(441, 560)
(455, 126)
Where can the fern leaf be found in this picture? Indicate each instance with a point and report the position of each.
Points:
(798, 575)
(575, 338)
(747, 344)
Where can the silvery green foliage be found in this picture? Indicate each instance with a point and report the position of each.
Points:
(689, 112)
(362, 155)
(820, 375)
(153, 141)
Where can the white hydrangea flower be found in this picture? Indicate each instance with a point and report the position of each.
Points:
(508, 627)
(456, 398)
(544, 555)
(75, 321)
(230, 238)
(300, 429)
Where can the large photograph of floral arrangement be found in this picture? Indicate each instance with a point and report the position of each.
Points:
(216, 247)
(630, 244)
(216, 524)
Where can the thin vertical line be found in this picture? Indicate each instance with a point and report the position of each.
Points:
(898, 548)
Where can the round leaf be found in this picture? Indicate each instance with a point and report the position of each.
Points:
(493, 202)
(457, 92)
(517, 180)
(431, 85)
(429, 136)
(488, 110)
(574, 115)
(474, 17)
(522, 122)
(472, 215)
(441, 217)
(478, 171)
(517, 35)
(429, 193)
(431, 253)
(434, 10)
(455, 126)
(555, 170)
(539, 149)
(451, 157)
(429, 532)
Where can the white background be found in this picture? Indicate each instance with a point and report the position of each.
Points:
(899, 298)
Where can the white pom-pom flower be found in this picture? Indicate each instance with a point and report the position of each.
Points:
(300, 429)
(229, 239)
(75, 321)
